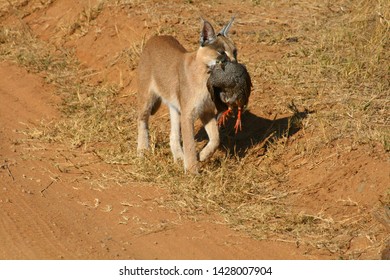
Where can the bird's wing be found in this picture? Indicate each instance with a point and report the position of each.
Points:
(215, 94)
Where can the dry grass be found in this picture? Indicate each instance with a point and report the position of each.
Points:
(340, 72)
(340, 69)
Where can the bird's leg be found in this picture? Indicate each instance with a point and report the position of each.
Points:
(238, 122)
(224, 116)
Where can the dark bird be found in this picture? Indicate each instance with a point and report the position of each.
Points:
(230, 86)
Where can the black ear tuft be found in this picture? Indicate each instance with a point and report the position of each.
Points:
(225, 30)
(207, 35)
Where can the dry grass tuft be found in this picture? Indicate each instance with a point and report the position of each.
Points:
(340, 72)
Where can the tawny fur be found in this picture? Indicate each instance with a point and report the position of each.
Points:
(168, 73)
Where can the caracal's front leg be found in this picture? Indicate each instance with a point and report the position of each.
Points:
(211, 127)
(189, 147)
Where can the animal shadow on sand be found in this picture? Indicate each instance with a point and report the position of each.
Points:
(257, 131)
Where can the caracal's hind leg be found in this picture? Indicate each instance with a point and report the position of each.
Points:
(174, 142)
(148, 106)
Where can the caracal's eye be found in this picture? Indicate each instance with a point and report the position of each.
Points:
(222, 56)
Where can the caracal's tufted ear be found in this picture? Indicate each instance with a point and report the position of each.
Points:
(207, 35)
(225, 30)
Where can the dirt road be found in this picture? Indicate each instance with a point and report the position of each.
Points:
(52, 206)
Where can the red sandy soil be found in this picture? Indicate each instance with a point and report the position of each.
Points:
(47, 217)
(47, 214)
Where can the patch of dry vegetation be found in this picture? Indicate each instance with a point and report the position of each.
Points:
(340, 71)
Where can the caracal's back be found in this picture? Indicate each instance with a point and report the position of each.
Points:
(159, 66)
